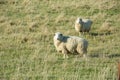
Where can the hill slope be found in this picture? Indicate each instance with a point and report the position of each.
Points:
(26, 39)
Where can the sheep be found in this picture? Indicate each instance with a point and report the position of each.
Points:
(83, 25)
(70, 45)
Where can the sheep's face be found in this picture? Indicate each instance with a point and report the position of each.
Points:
(79, 20)
(58, 36)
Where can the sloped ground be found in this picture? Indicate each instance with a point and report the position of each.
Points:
(26, 39)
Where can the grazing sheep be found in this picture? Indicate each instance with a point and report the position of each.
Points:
(70, 44)
(83, 25)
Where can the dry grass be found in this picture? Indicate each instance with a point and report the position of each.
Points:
(27, 28)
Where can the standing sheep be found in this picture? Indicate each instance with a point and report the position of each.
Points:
(70, 44)
(83, 25)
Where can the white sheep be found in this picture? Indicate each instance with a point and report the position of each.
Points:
(70, 44)
(83, 25)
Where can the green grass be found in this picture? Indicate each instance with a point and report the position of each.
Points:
(27, 28)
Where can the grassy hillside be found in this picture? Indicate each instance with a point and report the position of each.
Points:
(27, 28)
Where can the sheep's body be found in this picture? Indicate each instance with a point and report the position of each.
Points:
(70, 44)
(83, 25)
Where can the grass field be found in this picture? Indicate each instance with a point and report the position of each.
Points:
(27, 28)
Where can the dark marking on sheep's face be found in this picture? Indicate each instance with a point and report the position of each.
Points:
(80, 20)
(58, 36)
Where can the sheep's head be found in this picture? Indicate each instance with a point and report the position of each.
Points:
(79, 20)
(58, 36)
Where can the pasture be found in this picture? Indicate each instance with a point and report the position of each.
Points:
(27, 28)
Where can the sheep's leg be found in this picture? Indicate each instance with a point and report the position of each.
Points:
(79, 49)
(82, 52)
(65, 56)
(84, 55)
(79, 33)
(65, 53)
(83, 33)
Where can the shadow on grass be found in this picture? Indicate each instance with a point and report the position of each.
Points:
(99, 34)
(94, 55)
(114, 55)
(97, 55)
